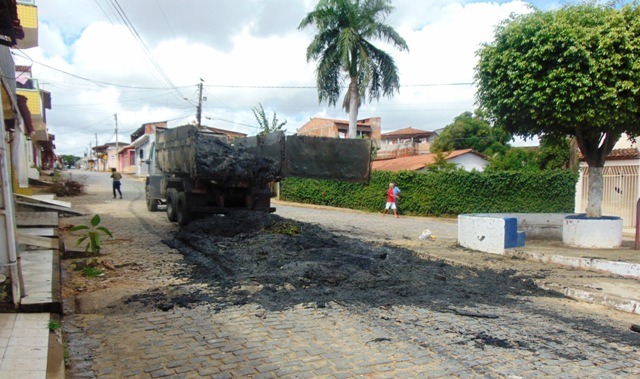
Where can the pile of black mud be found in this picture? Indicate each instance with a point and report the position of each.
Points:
(255, 257)
(216, 159)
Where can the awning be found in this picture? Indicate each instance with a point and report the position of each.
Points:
(140, 141)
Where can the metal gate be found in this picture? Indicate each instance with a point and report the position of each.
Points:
(620, 192)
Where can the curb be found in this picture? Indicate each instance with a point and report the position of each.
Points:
(587, 296)
(624, 269)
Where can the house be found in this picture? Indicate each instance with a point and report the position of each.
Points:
(468, 159)
(621, 180)
(25, 144)
(405, 142)
(231, 136)
(132, 157)
(326, 127)
(106, 156)
(41, 143)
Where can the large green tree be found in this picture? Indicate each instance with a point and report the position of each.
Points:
(471, 131)
(574, 71)
(69, 160)
(343, 50)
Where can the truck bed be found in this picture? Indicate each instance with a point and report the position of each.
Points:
(187, 151)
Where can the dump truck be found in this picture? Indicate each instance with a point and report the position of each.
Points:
(195, 171)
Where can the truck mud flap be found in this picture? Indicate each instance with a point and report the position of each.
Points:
(328, 158)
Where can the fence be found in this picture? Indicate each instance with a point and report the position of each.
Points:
(620, 192)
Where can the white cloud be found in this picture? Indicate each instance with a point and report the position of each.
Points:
(248, 43)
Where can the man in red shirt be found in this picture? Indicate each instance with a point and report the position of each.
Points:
(391, 201)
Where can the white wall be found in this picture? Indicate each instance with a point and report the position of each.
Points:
(470, 162)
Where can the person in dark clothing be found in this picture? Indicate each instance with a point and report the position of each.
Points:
(116, 176)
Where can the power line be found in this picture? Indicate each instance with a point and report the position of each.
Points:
(97, 82)
(123, 16)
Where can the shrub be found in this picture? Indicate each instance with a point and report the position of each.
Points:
(66, 187)
(446, 193)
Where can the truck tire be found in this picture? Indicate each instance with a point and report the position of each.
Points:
(183, 209)
(152, 204)
(172, 196)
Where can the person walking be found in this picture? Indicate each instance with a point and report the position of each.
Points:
(396, 192)
(116, 176)
(391, 201)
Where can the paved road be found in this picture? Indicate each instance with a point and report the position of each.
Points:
(526, 337)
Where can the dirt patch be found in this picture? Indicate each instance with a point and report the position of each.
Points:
(263, 258)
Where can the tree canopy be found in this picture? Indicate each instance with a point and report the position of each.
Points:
(573, 71)
(471, 131)
(569, 72)
(69, 160)
(343, 49)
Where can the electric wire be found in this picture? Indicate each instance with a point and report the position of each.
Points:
(134, 32)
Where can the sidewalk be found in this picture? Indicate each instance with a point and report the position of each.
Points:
(619, 289)
(611, 276)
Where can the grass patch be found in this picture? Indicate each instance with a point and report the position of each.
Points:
(287, 228)
(54, 325)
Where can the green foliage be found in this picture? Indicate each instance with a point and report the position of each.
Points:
(573, 71)
(515, 159)
(91, 272)
(69, 160)
(284, 227)
(267, 126)
(446, 193)
(441, 164)
(54, 325)
(471, 131)
(554, 154)
(91, 235)
(343, 49)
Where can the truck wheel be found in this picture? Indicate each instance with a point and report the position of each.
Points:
(183, 209)
(152, 204)
(172, 196)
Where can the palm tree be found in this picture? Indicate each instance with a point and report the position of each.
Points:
(342, 49)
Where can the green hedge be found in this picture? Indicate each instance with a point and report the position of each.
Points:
(446, 193)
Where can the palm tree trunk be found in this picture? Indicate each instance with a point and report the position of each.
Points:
(353, 108)
(596, 188)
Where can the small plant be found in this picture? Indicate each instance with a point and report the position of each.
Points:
(91, 272)
(284, 227)
(54, 325)
(91, 235)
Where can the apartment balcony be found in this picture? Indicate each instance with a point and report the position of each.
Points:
(28, 15)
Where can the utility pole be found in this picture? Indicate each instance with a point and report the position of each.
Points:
(199, 109)
(117, 146)
(97, 157)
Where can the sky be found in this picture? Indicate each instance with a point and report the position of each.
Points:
(117, 64)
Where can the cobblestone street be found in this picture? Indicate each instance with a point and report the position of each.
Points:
(524, 335)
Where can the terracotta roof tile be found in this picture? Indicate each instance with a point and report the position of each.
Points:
(406, 132)
(620, 154)
(630, 153)
(414, 162)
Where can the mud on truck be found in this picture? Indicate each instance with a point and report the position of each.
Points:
(194, 171)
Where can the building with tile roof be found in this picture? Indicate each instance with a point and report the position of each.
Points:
(468, 159)
(405, 142)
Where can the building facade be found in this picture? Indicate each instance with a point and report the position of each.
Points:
(325, 127)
